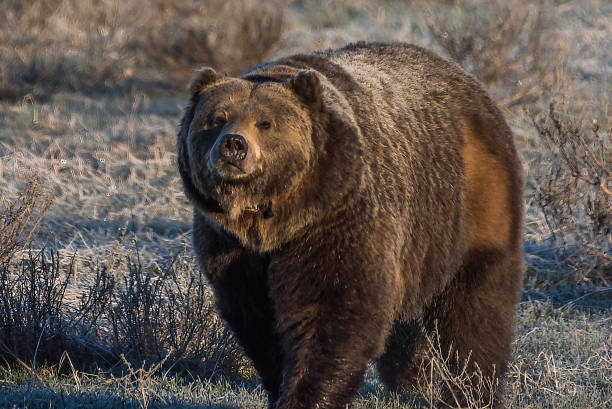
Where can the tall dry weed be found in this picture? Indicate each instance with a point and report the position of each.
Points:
(447, 381)
(20, 218)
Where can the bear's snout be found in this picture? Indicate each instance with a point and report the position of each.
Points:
(233, 148)
(232, 157)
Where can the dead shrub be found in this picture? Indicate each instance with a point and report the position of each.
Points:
(120, 309)
(20, 218)
(39, 320)
(67, 44)
(31, 301)
(147, 318)
(510, 46)
(76, 45)
(575, 189)
(169, 314)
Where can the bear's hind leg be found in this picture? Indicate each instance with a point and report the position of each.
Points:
(399, 365)
(475, 320)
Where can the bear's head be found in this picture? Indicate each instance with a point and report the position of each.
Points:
(251, 153)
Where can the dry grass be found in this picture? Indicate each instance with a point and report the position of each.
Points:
(561, 359)
(467, 387)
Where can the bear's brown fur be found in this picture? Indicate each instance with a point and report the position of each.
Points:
(348, 202)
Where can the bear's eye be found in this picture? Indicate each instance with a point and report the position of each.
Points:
(219, 120)
(263, 124)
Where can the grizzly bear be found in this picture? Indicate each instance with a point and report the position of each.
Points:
(347, 203)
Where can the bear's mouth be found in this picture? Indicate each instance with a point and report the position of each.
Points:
(265, 210)
(253, 209)
(214, 205)
(227, 170)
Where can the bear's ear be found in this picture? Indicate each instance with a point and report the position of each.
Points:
(307, 86)
(202, 78)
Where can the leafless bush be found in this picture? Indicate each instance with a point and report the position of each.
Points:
(19, 219)
(38, 323)
(165, 315)
(508, 45)
(87, 319)
(31, 301)
(170, 314)
(71, 44)
(575, 194)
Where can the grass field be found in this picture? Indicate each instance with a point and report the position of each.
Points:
(98, 284)
(562, 359)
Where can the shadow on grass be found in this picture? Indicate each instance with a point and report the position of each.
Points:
(45, 398)
(558, 275)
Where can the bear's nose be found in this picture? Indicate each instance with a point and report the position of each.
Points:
(234, 147)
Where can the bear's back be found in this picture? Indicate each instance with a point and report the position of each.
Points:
(440, 148)
(438, 153)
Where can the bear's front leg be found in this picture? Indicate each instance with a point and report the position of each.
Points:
(239, 279)
(334, 296)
